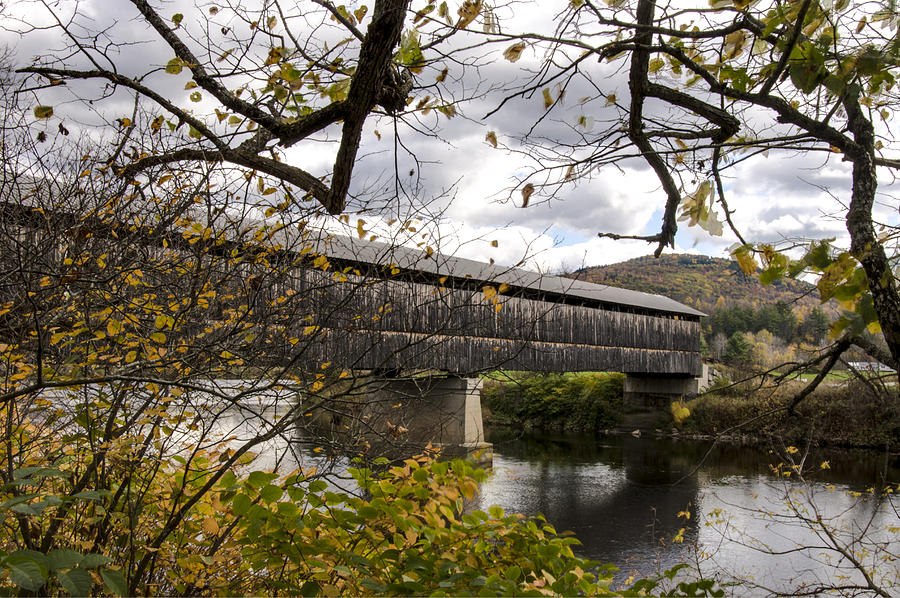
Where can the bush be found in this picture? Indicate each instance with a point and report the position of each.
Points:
(556, 401)
(846, 415)
(404, 531)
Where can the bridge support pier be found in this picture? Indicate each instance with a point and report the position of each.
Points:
(644, 392)
(445, 412)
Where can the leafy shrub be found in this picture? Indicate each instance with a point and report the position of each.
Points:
(843, 415)
(404, 531)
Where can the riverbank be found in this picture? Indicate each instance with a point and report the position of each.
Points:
(849, 414)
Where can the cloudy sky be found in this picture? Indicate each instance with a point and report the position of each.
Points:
(470, 190)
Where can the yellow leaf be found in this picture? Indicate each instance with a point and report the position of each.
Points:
(174, 66)
(43, 112)
(131, 356)
(489, 292)
(113, 327)
(469, 10)
(548, 98)
(210, 526)
(158, 337)
(491, 138)
(495, 243)
(360, 230)
(680, 412)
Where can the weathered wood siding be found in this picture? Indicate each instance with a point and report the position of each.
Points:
(402, 324)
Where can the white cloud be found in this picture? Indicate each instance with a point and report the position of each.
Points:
(472, 190)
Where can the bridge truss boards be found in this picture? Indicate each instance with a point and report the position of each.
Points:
(404, 308)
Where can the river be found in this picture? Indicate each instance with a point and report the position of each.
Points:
(626, 499)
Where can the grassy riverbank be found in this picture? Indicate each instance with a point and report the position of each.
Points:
(841, 414)
(575, 402)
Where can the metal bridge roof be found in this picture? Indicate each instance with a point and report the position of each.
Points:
(418, 260)
(372, 253)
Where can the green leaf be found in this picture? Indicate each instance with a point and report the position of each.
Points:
(25, 509)
(115, 581)
(513, 573)
(258, 479)
(25, 472)
(93, 560)
(288, 509)
(174, 66)
(271, 493)
(240, 504)
(25, 570)
(63, 558)
(89, 495)
(43, 112)
(310, 588)
(77, 582)
(176, 19)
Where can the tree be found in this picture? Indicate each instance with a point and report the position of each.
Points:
(136, 317)
(734, 79)
(260, 81)
(737, 349)
(814, 326)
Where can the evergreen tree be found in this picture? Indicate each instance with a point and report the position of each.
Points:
(737, 349)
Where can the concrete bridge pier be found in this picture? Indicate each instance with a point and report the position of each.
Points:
(643, 392)
(445, 412)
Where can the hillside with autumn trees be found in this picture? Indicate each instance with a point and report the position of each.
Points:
(748, 323)
(700, 281)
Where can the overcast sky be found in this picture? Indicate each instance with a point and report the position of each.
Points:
(476, 187)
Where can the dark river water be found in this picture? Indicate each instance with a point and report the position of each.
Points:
(626, 499)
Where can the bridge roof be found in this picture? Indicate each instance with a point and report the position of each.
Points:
(439, 265)
(370, 253)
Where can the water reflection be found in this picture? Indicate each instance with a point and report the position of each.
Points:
(626, 498)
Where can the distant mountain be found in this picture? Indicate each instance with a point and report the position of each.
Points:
(699, 281)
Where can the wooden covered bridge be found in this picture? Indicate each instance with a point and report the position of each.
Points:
(389, 309)
(461, 316)
(433, 312)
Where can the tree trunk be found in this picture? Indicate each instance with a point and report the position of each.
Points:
(864, 243)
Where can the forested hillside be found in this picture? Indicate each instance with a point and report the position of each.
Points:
(700, 281)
